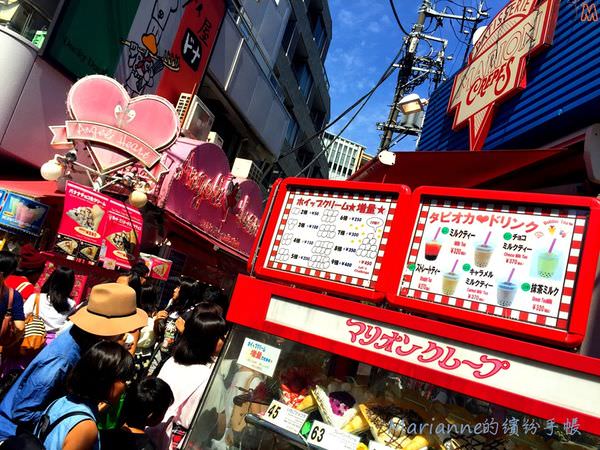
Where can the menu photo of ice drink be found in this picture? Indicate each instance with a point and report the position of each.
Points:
(515, 261)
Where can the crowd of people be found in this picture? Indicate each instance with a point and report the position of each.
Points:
(116, 371)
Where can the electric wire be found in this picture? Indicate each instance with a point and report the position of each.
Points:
(398, 18)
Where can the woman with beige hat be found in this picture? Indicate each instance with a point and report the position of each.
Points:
(111, 311)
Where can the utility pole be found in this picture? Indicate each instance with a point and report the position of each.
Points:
(423, 66)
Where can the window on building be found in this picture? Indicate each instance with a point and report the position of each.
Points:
(288, 34)
(318, 117)
(292, 132)
(31, 19)
(304, 78)
(318, 30)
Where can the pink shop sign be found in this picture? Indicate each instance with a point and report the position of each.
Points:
(201, 190)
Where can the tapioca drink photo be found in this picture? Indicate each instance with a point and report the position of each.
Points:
(506, 293)
(483, 253)
(449, 283)
(432, 250)
(547, 264)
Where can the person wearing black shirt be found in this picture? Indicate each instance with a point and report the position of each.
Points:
(145, 405)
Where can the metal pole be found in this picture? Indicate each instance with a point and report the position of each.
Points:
(404, 74)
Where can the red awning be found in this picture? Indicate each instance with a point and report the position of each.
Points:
(38, 189)
(506, 169)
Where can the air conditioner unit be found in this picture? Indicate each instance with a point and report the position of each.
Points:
(246, 168)
(195, 118)
(214, 138)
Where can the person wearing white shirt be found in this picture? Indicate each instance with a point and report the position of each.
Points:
(54, 301)
(187, 373)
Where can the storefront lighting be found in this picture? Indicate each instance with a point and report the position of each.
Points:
(138, 198)
(52, 170)
(411, 103)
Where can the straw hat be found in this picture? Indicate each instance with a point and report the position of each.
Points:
(111, 310)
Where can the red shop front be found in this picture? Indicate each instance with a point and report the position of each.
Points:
(388, 319)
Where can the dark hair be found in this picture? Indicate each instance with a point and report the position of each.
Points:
(93, 376)
(199, 339)
(135, 283)
(147, 300)
(208, 307)
(140, 268)
(188, 295)
(8, 263)
(151, 396)
(58, 286)
(213, 294)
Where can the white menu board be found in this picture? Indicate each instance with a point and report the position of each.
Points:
(513, 261)
(339, 236)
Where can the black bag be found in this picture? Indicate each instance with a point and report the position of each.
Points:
(35, 441)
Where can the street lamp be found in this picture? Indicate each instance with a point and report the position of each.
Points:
(411, 103)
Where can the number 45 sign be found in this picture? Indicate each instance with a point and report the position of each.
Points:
(327, 437)
(285, 417)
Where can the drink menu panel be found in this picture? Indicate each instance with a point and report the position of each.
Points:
(514, 261)
(332, 235)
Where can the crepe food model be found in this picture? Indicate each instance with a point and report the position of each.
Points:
(336, 408)
(389, 426)
(87, 217)
(295, 387)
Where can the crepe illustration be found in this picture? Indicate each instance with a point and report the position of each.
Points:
(68, 246)
(89, 252)
(87, 217)
(389, 425)
(160, 269)
(122, 240)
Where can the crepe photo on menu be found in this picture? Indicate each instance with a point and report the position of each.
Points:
(66, 245)
(122, 240)
(87, 217)
(89, 252)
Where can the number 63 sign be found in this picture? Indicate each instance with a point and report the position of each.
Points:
(327, 437)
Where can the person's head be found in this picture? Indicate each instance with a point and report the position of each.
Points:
(58, 286)
(213, 294)
(8, 264)
(110, 311)
(101, 373)
(201, 340)
(185, 294)
(141, 270)
(148, 299)
(146, 403)
(208, 307)
(31, 262)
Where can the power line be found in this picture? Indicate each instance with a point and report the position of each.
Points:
(398, 18)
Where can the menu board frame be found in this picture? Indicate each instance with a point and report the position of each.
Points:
(277, 211)
(569, 334)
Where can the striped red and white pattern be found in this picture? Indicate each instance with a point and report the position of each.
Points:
(365, 281)
(559, 322)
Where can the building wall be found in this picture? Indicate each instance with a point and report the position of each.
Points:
(300, 57)
(562, 95)
(344, 156)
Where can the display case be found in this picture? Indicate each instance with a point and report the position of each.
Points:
(368, 377)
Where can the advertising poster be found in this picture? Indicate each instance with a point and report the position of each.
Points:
(513, 261)
(22, 214)
(122, 234)
(159, 268)
(332, 235)
(83, 222)
(78, 287)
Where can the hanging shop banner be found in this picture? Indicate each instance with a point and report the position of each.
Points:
(503, 258)
(122, 235)
(78, 286)
(21, 214)
(201, 190)
(83, 222)
(329, 233)
(155, 46)
(159, 268)
(117, 130)
(497, 65)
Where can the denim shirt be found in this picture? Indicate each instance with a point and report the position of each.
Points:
(42, 382)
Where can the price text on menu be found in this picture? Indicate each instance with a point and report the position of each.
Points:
(513, 261)
(332, 235)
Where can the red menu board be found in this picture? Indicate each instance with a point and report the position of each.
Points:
(83, 222)
(78, 287)
(500, 257)
(122, 234)
(331, 235)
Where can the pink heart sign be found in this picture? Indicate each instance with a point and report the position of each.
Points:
(115, 126)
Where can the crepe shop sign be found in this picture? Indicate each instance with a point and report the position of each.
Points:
(117, 130)
(220, 191)
(444, 356)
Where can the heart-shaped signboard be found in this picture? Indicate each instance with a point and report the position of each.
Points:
(119, 129)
